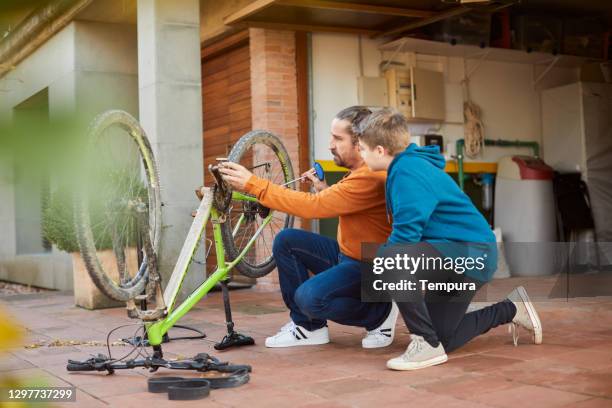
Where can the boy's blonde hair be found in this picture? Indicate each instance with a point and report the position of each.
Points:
(387, 128)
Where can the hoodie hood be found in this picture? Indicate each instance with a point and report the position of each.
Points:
(430, 154)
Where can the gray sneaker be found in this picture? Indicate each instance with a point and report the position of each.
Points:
(525, 317)
(419, 354)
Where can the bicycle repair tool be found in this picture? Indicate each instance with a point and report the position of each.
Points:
(318, 171)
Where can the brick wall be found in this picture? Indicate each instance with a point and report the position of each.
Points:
(274, 102)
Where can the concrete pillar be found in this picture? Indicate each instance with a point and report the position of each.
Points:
(170, 104)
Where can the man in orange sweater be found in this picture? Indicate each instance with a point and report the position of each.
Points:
(334, 292)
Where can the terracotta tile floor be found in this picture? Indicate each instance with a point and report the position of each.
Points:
(572, 368)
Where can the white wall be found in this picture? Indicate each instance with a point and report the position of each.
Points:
(51, 66)
(510, 104)
(87, 67)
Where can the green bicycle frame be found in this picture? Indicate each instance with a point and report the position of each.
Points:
(156, 330)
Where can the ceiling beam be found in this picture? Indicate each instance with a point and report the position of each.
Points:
(356, 7)
(457, 11)
(247, 11)
(229, 42)
(309, 27)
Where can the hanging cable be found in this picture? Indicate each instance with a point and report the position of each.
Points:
(360, 57)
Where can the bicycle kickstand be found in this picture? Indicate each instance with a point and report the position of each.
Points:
(232, 338)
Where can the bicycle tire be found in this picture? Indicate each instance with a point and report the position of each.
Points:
(237, 152)
(85, 237)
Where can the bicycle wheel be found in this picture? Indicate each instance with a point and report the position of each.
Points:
(117, 207)
(265, 155)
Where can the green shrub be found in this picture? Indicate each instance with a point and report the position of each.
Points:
(58, 215)
(58, 222)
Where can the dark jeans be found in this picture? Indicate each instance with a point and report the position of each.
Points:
(333, 293)
(439, 316)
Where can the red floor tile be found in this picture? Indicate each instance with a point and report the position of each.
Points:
(572, 368)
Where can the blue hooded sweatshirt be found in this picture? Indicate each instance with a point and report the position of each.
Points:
(427, 205)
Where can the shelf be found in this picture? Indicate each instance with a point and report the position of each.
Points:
(471, 167)
(451, 167)
(408, 44)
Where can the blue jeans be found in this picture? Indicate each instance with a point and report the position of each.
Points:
(333, 293)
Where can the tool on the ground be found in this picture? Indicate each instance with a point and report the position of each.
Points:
(317, 170)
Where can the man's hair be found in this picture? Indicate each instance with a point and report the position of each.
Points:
(387, 128)
(355, 115)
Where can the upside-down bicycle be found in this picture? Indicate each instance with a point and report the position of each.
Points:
(119, 208)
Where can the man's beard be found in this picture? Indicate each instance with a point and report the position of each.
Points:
(338, 160)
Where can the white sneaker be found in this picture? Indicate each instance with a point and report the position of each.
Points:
(291, 335)
(383, 335)
(288, 326)
(526, 316)
(419, 354)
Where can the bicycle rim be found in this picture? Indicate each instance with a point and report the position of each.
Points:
(117, 206)
(264, 154)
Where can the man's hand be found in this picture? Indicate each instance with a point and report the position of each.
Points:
(313, 180)
(235, 174)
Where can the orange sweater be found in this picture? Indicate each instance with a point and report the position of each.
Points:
(358, 200)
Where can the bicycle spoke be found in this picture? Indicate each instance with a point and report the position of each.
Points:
(250, 222)
(238, 224)
(263, 236)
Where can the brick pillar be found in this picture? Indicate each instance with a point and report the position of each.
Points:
(274, 94)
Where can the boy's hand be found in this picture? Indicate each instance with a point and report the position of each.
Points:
(235, 174)
(313, 180)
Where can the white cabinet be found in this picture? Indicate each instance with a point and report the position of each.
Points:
(417, 93)
(576, 125)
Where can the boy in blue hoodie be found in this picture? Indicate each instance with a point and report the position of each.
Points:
(432, 217)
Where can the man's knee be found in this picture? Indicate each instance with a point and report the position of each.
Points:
(283, 240)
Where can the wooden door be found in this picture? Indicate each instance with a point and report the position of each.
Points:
(226, 99)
